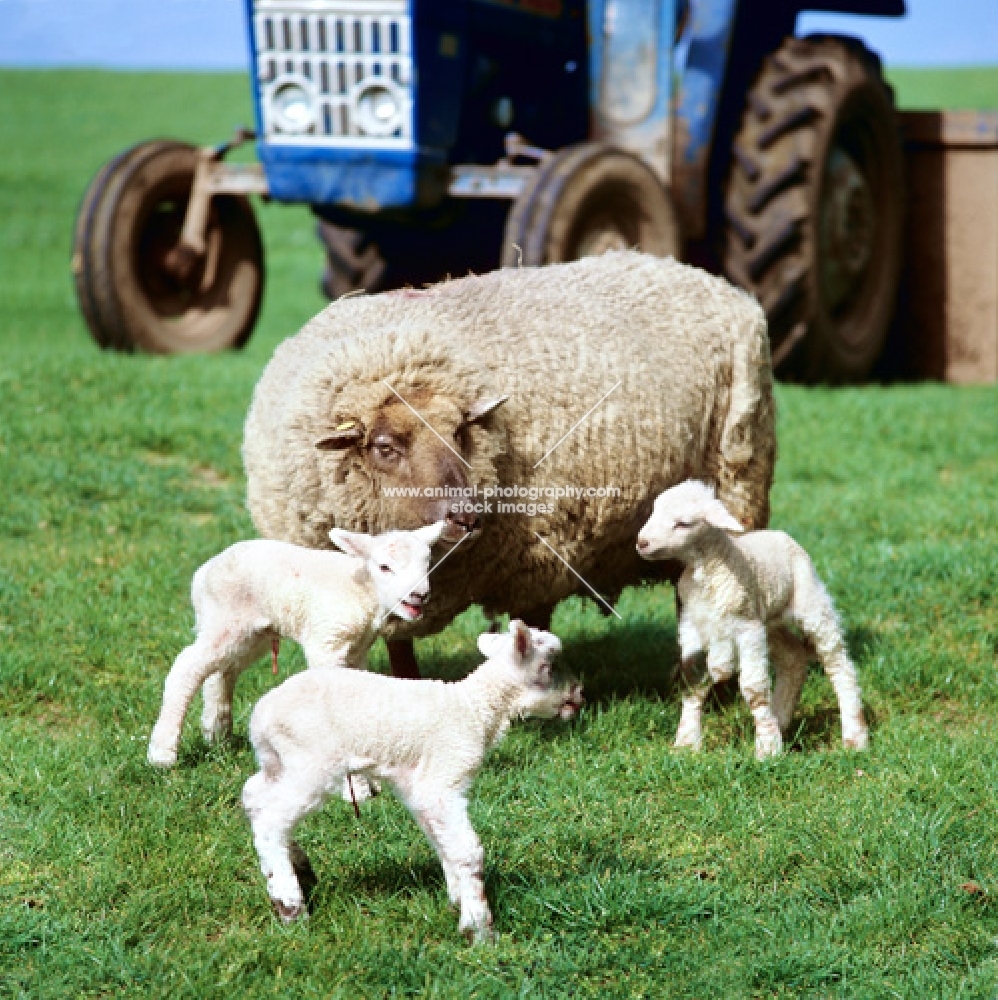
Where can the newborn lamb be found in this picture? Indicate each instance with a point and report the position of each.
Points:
(256, 592)
(426, 738)
(735, 593)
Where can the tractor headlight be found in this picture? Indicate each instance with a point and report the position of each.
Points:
(292, 104)
(378, 107)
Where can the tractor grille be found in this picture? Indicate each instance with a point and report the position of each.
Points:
(335, 72)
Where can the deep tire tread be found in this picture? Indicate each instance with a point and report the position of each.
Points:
(770, 200)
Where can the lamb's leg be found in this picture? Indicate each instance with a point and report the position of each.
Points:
(822, 628)
(233, 649)
(444, 817)
(790, 657)
(755, 684)
(402, 659)
(695, 682)
(216, 715)
(274, 808)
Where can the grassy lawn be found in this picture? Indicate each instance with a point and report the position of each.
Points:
(616, 868)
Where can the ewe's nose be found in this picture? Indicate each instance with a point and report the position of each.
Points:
(468, 521)
(643, 544)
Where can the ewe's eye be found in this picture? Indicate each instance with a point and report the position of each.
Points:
(385, 450)
(684, 524)
(385, 568)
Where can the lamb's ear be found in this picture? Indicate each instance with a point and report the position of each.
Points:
(431, 533)
(523, 641)
(353, 543)
(488, 643)
(717, 514)
(344, 435)
(483, 407)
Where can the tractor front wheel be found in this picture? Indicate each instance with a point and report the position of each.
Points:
(585, 200)
(814, 207)
(133, 289)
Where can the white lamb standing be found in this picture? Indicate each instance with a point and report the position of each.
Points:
(739, 590)
(425, 738)
(256, 592)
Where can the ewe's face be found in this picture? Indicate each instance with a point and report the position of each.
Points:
(422, 442)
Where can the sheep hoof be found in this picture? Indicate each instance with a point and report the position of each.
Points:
(688, 742)
(857, 741)
(288, 913)
(480, 935)
(768, 746)
(161, 757)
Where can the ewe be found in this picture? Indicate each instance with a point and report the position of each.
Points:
(254, 593)
(426, 738)
(736, 592)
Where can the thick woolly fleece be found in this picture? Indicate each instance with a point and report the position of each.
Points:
(687, 352)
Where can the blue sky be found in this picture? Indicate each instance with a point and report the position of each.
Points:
(210, 34)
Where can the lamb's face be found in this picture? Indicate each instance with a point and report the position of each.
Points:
(417, 442)
(681, 518)
(531, 653)
(398, 563)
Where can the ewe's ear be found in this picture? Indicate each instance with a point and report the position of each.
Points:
(431, 533)
(523, 642)
(353, 543)
(717, 515)
(488, 643)
(483, 407)
(344, 435)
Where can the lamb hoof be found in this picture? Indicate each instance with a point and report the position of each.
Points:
(688, 741)
(288, 913)
(480, 935)
(857, 741)
(161, 756)
(768, 746)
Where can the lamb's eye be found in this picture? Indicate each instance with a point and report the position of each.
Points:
(385, 568)
(384, 450)
(684, 524)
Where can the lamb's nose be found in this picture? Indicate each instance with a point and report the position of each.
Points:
(642, 544)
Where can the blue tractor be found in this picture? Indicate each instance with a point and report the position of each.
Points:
(434, 137)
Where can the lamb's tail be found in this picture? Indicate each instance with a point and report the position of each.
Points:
(748, 434)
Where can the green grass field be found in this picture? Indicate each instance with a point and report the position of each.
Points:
(616, 868)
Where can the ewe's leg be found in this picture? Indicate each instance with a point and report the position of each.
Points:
(211, 652)
(216, 715)
(790, 658)
(444, 817)
(695, 685)
(754, 680)
(274, 808)
(402, 659)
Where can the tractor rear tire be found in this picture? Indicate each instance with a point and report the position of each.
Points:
(585, 200)
(814, 206)
(130, 295)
